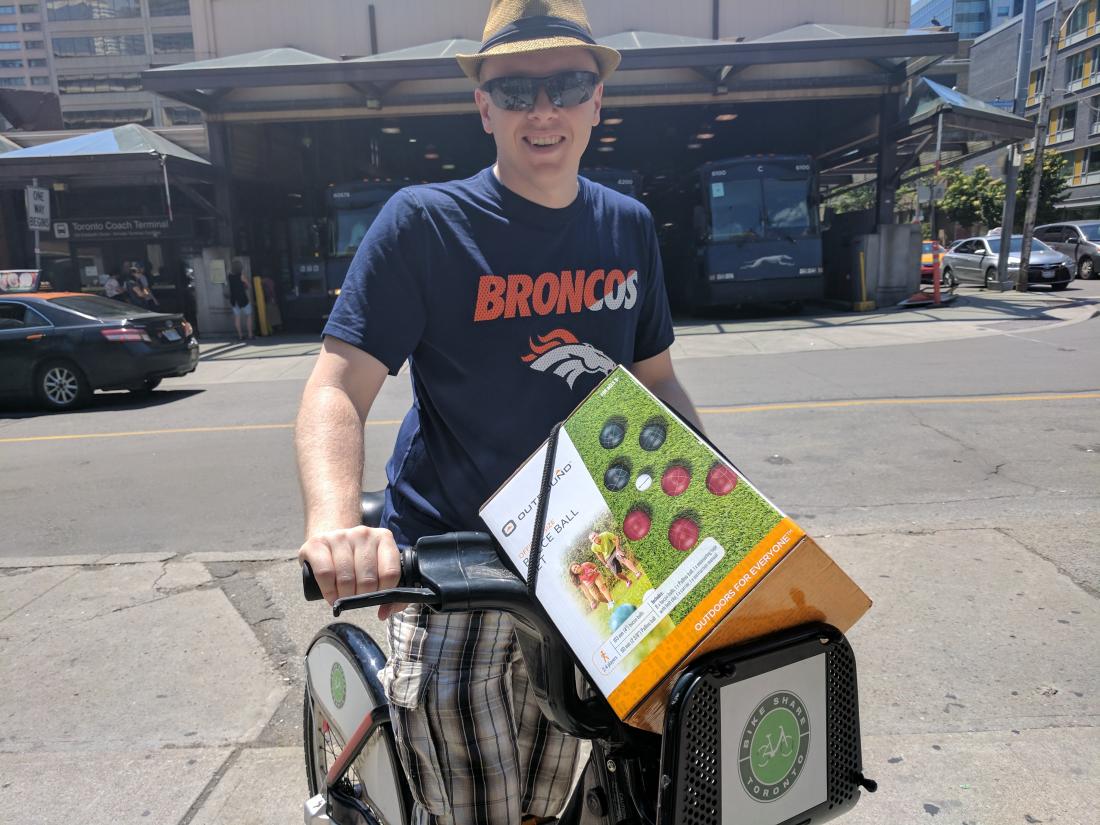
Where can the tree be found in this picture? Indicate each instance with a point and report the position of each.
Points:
(1052, 187)
(853, 200)
(974, 198)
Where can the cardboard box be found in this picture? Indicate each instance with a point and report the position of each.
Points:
(657, 550)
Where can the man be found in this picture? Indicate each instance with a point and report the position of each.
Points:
(607, 547)
(510, 295)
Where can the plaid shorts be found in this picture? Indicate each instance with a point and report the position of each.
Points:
(474, 743)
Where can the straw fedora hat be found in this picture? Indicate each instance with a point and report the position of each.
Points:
(520, 26)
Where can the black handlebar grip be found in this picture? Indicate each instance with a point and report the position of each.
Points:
(312, 591)
(310, 588)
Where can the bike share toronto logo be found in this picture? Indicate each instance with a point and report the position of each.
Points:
(338, 685)
(774, 746)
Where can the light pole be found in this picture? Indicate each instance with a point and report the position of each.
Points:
(1012, 156)
(1041, 127)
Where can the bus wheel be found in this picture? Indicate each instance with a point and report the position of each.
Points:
(794, 307)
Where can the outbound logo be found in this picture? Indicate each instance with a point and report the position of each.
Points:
(774, 746)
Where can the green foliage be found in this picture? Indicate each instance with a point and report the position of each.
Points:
(1052, 188)
(738, 520)
(854, 200)
(974, 198)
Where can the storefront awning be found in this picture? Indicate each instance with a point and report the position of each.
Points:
(129, 154)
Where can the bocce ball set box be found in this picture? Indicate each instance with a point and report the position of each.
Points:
(704, 560)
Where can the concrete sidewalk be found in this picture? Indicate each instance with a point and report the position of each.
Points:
(975, 313)
(145, 689)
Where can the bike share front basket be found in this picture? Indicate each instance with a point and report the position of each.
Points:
(766, 733)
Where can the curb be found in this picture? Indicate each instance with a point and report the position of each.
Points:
(117, 559)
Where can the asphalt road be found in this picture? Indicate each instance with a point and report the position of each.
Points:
(957, 482)
(211, 467)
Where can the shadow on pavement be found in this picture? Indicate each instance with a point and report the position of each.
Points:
(99, 402)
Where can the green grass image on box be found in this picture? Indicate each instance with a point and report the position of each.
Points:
(738, 521)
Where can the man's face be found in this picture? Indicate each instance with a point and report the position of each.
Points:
(545, 142)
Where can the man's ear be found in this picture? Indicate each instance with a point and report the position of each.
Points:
(481, 100)
(597, 96)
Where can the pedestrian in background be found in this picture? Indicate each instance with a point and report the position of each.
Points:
(112, 287)
(239, 300)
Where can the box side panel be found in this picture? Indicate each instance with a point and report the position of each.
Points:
(806, 586)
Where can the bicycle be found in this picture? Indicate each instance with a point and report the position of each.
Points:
(683, 777)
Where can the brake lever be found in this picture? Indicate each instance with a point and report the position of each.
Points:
(399, 595)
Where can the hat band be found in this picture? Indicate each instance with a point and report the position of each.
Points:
(532, 28)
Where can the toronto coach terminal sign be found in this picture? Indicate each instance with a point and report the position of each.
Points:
(150, 226)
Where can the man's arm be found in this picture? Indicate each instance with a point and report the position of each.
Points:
(346, 558)
(659, 378)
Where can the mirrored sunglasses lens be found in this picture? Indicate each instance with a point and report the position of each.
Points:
(513, 93)
(571, 88)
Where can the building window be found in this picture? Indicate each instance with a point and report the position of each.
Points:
(61, 10)
(169, 8)
(11, 64)
(38, 63)
(28, 8)
(13, 81)
(1079, 19)
(112, 45)
(39, 80)
(35, 44)
(7, 9)
(106, 118)
(1092, 160)
(32, 27)
(1075, 68)
(173, 43)
(81, 84)
(9, 27)
(182, 115)
(10, 45)
(1063, 123)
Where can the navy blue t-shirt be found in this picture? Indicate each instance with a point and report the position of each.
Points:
(509, 313)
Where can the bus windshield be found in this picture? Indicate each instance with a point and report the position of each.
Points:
(351, 226)
(775, 203)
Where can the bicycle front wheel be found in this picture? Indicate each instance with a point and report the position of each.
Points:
(342, 689)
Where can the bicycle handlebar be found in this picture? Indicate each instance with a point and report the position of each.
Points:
(460, 572)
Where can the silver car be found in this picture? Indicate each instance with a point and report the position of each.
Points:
(1079, 240)
(974, 261)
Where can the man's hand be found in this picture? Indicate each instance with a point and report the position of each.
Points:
(354, 561)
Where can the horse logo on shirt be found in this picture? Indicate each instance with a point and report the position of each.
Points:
(561, 353)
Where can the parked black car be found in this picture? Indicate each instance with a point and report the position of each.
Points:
(60, 346)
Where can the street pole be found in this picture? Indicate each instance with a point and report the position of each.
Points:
(1012, 157)
(1041, 127)
(37, 241)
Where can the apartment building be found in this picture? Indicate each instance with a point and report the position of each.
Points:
(1073, 124)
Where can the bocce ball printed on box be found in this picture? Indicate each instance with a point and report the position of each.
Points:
(675, 478)
(774, 754)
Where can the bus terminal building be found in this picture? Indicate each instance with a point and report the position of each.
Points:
(730, 138)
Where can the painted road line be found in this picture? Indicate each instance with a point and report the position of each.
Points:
(896, 402)
(751, 408)
(177, 431)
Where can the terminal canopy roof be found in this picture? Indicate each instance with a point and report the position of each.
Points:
(963, 125)
(812, 61)
(129, 154)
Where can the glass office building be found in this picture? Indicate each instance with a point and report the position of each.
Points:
(970, 18)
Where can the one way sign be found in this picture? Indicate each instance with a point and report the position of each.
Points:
(38, 208)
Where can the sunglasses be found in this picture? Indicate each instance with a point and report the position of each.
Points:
(518, 94)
